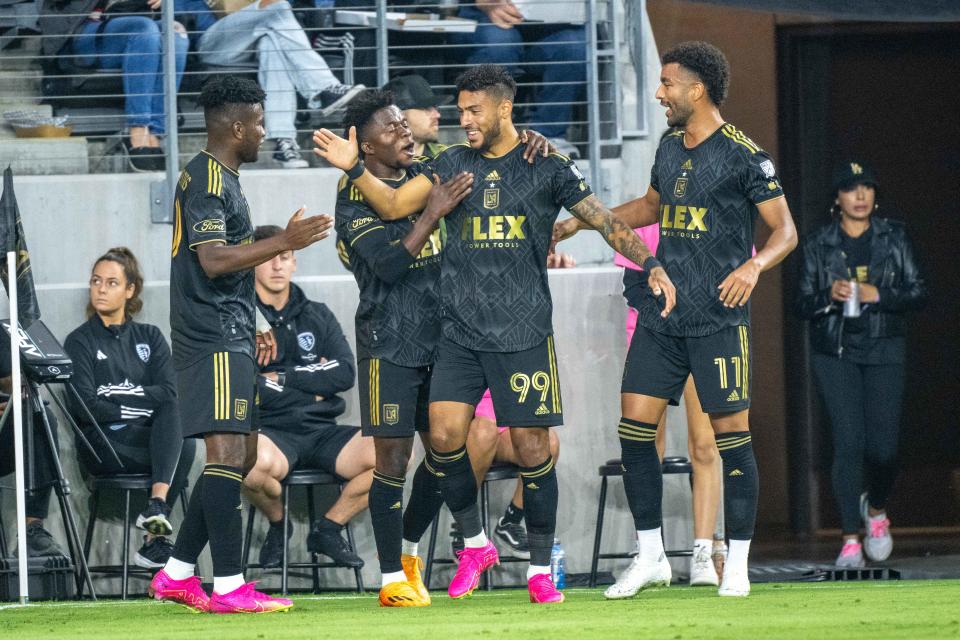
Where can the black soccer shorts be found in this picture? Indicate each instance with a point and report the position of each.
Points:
(393, 399)
(658, 365)
(218, 393)
(311, 447)
(524, 385)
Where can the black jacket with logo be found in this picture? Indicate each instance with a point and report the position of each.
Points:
(893, 270)
(122, 372)
(316, 360)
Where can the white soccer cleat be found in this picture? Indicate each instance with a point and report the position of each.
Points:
(638, 576)
(878, 543)
(736, 583)
(702, 571)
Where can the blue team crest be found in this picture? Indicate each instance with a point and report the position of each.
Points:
(143, 350)
(306, 341)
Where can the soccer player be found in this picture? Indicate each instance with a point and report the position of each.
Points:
(212, 321)
(495, 298)
(299, 405)
(397, 268)
(707, 185)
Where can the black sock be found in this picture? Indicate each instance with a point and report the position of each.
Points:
(386, 515)
(540, 496)
(192, 536)
(424, 504)
(642, 475)
(513, 514)
(221, 510)
(327, 523)
(741, 484)
(459, 487)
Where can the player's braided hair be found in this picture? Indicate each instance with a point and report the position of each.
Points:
(707, 62)
(131, 273)
(491, 78)
(223, 91)
(361, 109)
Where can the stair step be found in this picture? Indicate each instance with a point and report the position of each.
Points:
(45, 156)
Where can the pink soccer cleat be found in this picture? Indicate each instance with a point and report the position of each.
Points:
(247, 600)
(473, 562)
(542, 590)
(187, 592)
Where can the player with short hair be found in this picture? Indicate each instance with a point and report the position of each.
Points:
(215, 352)
(496, 328)
(709, 181)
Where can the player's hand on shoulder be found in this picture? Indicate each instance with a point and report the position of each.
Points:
(303, 231)
(537, 144)
(737, 287)
(660, 284)
(444, 197)
(342, 154)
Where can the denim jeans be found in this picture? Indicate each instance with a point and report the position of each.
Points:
(133, 45)
(537, 51)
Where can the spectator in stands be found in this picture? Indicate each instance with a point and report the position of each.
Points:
(96, 34)
(552, 55)
(859, 353)
(39, 541)
(267, 33)
(124, 374)
(299, 406)
(419, 105)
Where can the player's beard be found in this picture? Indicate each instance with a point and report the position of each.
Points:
(680, 116)
(490, 136)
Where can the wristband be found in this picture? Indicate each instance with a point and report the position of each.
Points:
(651, 263)
(356, 170)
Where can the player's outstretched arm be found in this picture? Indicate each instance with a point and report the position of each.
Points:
(591, 212)
(737, 287)
(217, 258)
(636, 213)
(389, 203)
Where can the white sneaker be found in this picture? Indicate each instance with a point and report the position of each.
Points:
(702, 571)
(638, 576)
(851, 556)
(878, 543)
(288, 154)
(736, 583)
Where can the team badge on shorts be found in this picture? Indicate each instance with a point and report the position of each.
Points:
(240, 409)
(391, 413)
(143, 350)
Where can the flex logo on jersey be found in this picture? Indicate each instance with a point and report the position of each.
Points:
(432, 246)
(683, 217)
(493, 228)
(210, 226)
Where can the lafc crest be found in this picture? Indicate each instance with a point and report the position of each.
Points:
(391, 413)
(491, 198)
(680, 187)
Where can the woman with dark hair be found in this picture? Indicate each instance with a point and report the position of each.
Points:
(860, 277)
(123, 372)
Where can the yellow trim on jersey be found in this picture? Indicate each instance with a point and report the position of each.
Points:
(738, 136)
(214, 177)
(342, 182)
(197, 244)
(343, 254)
(365, 233)
(177, 227)
(554, 376)
(373, 371)
(560, 155)
(207, 153)
(757, 204)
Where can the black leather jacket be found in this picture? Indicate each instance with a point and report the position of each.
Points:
(893, 270)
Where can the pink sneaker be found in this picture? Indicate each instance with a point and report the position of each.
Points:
(473, 562)
(187, 592)
(247, 600)
(542, 590)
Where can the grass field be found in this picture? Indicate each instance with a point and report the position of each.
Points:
(822, 611)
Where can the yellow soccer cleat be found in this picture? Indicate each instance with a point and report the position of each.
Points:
(411, 569)
(401, 594)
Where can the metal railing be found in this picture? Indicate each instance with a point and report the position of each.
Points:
(92, 93)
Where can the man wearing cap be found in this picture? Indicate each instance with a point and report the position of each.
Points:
(419, 103)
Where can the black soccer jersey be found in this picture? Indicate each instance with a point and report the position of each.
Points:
(494, 289)
(708, 205)
(398, 318)
(209, 315)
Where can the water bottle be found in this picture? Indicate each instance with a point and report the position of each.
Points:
(558, 569)
(851, 307)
